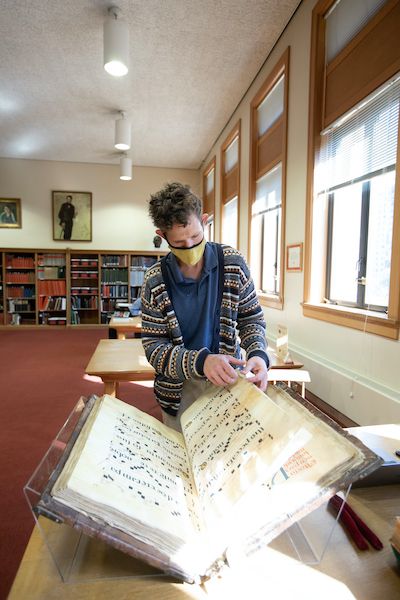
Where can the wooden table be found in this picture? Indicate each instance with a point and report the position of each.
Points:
(119, 360)
(289, 375)
(344, 573)
(124, 360)
(125, 325)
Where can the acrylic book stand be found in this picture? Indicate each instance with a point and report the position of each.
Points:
(78, 557)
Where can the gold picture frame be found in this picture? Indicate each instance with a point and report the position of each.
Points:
(10, 213)
(72, 216)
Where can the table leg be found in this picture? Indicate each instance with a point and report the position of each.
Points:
(110, 388)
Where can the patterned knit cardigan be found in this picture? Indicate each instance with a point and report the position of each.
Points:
(162, 338)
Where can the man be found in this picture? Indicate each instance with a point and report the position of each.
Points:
(193, 302)
(66, 216)
(7, 216)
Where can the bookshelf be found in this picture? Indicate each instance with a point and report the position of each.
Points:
(114, 283)
(51, 287)
(1, 288)
(20, 288)
(84, 288)
(137, 269)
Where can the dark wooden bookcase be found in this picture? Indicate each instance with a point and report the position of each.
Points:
(52, 288)
(1, 288)
(114, 283)
(84, 288)
(62, 288)
(20, 288)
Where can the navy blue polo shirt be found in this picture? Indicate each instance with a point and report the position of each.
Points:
(195, 302)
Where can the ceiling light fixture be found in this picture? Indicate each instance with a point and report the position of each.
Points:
(126, 168)
(116, 44)
(122, 133)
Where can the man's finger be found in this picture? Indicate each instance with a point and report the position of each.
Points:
(228, 374)
(236, 361)
(259, 381)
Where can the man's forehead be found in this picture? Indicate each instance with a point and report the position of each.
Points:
(192, 221)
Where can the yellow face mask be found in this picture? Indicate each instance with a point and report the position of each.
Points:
(190, 256)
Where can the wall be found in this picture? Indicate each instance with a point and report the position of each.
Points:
(119, 208)
(356, 372)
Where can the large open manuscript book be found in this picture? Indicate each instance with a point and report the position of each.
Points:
(247, 465)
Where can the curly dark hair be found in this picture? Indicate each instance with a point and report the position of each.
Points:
(175, 203)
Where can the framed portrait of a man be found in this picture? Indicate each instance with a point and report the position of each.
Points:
(10, 213)
(72, 216)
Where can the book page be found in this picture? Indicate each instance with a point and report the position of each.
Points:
(259, 458)
(303, 480)
(236, 437)
(132, 467)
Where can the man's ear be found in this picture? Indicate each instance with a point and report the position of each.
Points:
(160, 233)
(204, 219)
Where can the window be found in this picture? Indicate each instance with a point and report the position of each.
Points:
(230, 188)
(209, 199)
(267, 184)
(266, 232)
(352, 268)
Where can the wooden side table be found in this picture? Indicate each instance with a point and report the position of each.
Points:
(125, 325)
(119, 360)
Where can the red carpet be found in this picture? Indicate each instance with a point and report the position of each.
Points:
(42, 378)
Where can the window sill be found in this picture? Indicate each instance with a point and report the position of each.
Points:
(363, 320)
(270, 301)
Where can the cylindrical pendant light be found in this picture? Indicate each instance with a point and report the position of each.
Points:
(122, 133)
(116, 44)
(126, 168)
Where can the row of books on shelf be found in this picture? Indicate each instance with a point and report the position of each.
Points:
(84, 291)
(79, 302)
(52, 303)
(75, 318)
(84, 275)
(49, 259)
(20, 292)
(143, 261)
(48, 320)
(136, 277)
(114, 291)
(84, 262)
(109, 304)
(114, 275)
(20, 262)
(51, 272)
(20, 305)
(114, 260)
(53, 287)
(20, 277)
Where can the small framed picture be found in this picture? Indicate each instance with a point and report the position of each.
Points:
(72, 216)
(294, 257)
(10, 213)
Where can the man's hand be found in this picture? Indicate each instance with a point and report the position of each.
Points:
(218, 369)
(257, 365)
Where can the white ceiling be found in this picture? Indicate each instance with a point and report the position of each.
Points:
(191, 62)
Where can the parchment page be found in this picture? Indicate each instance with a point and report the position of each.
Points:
(303, 481)
(131, 466)
(260, 461)
(236, 437)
